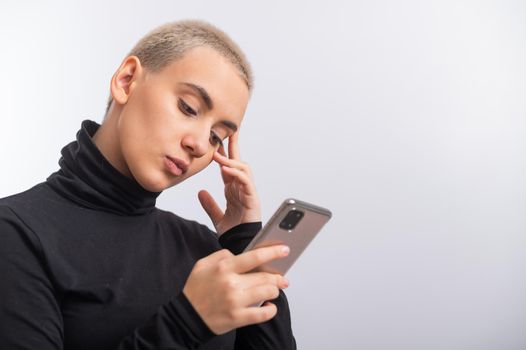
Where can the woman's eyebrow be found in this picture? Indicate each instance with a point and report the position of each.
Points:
(229, 125)
(201, 92)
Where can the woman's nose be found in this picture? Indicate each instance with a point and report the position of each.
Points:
(197, 143)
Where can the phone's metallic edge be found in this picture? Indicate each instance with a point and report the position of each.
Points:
(315, 208)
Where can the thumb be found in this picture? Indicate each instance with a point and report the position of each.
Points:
(210, 206)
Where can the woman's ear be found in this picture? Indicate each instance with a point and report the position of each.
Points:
(125, 78)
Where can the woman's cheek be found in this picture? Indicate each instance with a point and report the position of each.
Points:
(203, 163)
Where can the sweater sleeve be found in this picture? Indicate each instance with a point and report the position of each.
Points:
(275, 333)
(30, 313)
(175, 326)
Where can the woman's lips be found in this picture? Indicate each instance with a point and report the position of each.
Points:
(175, 165)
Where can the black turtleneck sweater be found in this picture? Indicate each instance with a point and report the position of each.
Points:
(88, 262)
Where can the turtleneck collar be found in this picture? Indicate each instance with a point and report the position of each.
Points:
(87, 178)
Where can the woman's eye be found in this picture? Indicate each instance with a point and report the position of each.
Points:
(215, 140)
(185, 108)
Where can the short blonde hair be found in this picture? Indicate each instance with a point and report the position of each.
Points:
(171, 41)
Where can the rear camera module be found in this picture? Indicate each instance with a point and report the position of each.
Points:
(291, 219)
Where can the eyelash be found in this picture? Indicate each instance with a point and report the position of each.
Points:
(189, 111)
(216, 140)
(185, 108)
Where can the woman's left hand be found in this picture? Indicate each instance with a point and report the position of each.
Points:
(242, 201)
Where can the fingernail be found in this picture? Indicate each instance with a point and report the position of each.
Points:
(285, 282)
(285, 250)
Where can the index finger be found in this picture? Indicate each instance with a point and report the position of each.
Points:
(221, 150)
(233, 146)
(250, 260)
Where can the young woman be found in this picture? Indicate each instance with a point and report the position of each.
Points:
(88, 262)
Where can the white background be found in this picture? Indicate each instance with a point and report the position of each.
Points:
(406, 118)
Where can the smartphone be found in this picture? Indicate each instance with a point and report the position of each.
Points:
(294, 224)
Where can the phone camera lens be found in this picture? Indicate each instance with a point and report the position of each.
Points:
(291, 219)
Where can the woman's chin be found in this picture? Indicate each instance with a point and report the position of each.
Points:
(154, 182)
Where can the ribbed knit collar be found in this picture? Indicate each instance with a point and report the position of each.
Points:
(87, 178)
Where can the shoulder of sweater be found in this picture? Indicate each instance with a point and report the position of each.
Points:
(16, 197)
(14, 228)
(22, 200)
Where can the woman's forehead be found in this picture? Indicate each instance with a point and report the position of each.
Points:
(210, 77)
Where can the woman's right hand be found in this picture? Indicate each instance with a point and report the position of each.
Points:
(222, 288)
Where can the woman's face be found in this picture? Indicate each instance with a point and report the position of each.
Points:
(174, 120)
